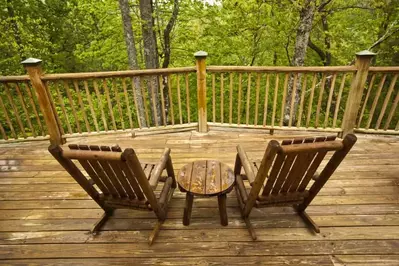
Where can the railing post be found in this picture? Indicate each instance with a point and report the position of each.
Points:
(201, 90)
(34, 69)
(359, 79)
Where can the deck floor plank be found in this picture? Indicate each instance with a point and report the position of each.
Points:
(45, 216)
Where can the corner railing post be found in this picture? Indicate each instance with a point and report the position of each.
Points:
(359, 79)
(34, 69)
(201, 90)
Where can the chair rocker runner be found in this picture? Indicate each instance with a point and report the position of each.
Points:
(285, 173)
(117, 179)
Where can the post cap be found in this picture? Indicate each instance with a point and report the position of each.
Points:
(31, 62)
(365, 53)
(201, 54)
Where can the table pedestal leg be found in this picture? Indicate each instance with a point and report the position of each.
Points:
(187, 208)
(222, 209)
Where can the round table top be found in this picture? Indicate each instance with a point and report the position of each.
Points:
(207, 177)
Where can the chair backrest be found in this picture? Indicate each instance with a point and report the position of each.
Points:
(287, 168)
(116, 176)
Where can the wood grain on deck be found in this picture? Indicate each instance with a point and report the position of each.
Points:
(45, 215)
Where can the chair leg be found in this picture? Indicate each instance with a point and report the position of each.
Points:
(246, 219)
(97, 226)
(250, 228)
(309, 221)
(155, 232)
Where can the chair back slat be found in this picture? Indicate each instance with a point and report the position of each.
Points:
(115, 177)
(110, 171)
(132, 180)
(275, 170)
(301, 163)
(295, 164)
(98, 173)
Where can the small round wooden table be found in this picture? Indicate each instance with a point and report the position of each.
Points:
(205, 179)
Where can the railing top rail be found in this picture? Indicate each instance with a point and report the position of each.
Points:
(281, 69)
(4, 79)
(125, 73)
(388, 69)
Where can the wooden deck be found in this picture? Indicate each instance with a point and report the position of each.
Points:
(45, 216)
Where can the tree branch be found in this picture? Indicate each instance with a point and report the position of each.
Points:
(166, 34)
(317, 49)
(384, 37)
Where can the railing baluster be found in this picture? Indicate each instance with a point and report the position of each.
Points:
(321, 92)
(231, 98)
(7, 118)
(293, 94)
(162, 87)
(311, 100)
(14, 108)
(118, 104)
(61, 101)
(129, 112)
(386, 101)
(100, 103)
(179, 99)
(188, 99)
(21, 99)
(275, 100)
(303, 89)
(32, 102)
(132, 81)
(221, 98)
(52, 102)
(3, 132)
(376, 98)
(68, 92)
(365, 101)
(392, 112)
(257, 98)
(329, 100)
(111, 112)
(266, 99)
(284, 99)
(213, 99)
(248, 99)
(171, 101)
(341, 89)
(82, 106)
(93, 114)
(239, 98)
(147, 118)
(153, 101)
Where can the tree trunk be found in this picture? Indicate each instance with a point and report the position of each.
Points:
(301, 44)
(151, 56)
(166, 52)
(15, 28)
(132, 56)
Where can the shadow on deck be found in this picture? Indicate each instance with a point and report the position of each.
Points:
(45, 216)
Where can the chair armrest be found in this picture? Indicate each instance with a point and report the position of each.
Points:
(248, 167)
(156, 173)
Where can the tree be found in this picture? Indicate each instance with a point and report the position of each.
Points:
(132, 56)
(151, 56)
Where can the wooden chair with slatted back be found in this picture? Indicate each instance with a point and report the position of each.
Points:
(287, 174)
(116, 179)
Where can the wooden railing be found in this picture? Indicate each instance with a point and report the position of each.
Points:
(258, 97)
(380, 112)
(338, 99)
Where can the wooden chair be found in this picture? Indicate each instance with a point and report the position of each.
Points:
(118, 180)
(285, 172)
